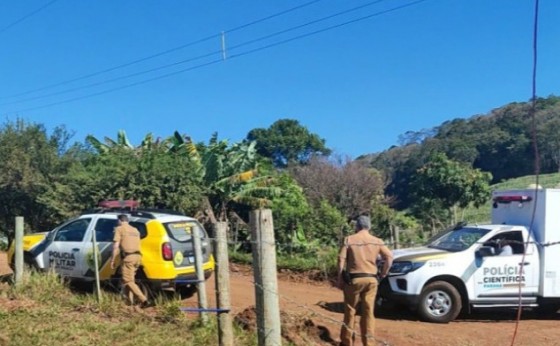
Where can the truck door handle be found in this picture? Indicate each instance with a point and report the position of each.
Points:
(525, 263)
(75, 249)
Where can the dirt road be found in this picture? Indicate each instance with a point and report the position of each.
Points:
(324, 306)
(398, 327)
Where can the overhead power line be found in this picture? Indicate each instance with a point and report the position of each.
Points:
(262, 38)
(332, 27)
(328, 28)
(200, 56)
(30, 14)
(165, 52)
(136, 74)
(122, 87)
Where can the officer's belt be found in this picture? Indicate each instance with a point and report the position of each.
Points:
(131, 253)
(362, 275)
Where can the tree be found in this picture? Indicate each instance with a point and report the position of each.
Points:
(228, 174)
(350, 186)
(287, 142)
(121, 142)
(548, 137)
(32, 162)
(154, 177)
(446, 184)
(327, 224)
(290, 210)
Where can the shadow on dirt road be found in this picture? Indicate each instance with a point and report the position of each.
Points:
(396, 312)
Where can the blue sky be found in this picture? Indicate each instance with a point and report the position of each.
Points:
(358, 86)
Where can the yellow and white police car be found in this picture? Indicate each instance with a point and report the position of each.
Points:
(168, 261)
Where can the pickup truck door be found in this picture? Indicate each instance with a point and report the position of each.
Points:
(64, 254)
(497, 279)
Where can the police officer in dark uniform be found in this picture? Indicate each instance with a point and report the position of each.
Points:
(127, 242)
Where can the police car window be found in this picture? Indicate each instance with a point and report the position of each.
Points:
(182, 231)
(513, 239)
(104, 230)
(73, 231)
(141, 227)
(458, 239)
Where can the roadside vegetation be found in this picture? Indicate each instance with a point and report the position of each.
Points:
(434, 178)
(43, 310)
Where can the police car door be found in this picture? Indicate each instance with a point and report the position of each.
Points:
(104, 226)
(66, 251)
(498, 277)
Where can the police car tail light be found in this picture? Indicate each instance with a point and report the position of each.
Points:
(167, 251)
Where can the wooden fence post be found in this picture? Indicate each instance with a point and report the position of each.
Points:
(225, 324)
(266, 283)
(201, 285)
(95, 252)
(18, 255)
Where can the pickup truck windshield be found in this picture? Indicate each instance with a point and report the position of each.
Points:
(458, 239)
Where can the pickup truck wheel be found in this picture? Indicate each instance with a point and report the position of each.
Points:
(440, 302)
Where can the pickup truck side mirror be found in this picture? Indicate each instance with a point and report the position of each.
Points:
(485, 251)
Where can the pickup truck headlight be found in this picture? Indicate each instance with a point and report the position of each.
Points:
(401, 268)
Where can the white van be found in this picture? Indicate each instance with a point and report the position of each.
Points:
(463, 269)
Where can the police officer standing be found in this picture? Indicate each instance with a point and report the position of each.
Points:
(127, 242)
(358, 257)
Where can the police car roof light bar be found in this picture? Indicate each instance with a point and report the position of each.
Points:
(119, 204)
(512, 198)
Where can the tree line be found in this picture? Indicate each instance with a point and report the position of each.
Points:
(48, 178)
(420, 186)
(499, 143)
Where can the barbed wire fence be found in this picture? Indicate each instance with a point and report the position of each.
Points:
(265, 248)
(267, 295)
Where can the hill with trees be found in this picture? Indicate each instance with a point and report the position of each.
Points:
(499, 143)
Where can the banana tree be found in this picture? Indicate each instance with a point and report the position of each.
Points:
(122, 142)
(228, 173)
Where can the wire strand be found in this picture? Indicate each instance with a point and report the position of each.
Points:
(537, 162)
(221, 60)
(189, 59)
(30, 14)
(165, 52)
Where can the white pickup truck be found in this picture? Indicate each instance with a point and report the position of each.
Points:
(464, 268)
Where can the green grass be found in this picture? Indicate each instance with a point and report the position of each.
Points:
(42, 310)
(482, 214)
(322, 260)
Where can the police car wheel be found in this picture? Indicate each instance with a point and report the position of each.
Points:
(146, 288)
(130, 298)
(186, 291)
(29, 263)
(440, 302)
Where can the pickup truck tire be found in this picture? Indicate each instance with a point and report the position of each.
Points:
(440, 302)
